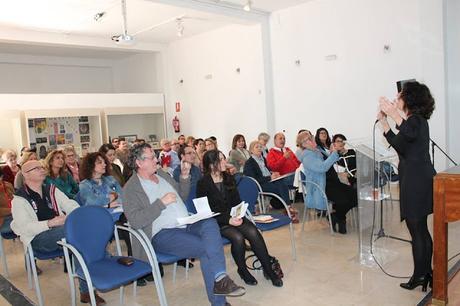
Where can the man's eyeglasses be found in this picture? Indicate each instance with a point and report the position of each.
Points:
(148, 157)
(35, 168)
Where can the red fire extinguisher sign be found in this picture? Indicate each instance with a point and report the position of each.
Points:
(177, 106)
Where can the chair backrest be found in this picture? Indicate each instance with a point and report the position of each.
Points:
(249, 191)
(89, 229)
(189, 203)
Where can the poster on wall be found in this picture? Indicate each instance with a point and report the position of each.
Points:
(84, 138)
(60, 139)
(41, 140)
(83, 119)
(83, 128)
(40, 125)
(69, 138)
(52, 140)
(61, 128)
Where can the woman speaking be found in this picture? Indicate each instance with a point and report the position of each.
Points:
(410, 111)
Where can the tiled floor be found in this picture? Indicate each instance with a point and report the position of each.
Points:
(326, 273)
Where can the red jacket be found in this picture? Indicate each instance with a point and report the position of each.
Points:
(278, 163)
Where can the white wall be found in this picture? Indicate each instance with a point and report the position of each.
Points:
(342, 94)
(141, 125)
(51, 74)
(452, 51)
(229, 102)
(137, 73)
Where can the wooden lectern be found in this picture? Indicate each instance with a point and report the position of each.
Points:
(446, 209)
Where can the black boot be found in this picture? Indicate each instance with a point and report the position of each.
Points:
(247, 277)
(342, 226)
(414, 282)
(334, 222)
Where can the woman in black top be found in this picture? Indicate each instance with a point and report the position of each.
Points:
(347, 160)
(415, 171)
(221, 190)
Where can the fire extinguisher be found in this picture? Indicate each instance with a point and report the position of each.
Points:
(176, 124)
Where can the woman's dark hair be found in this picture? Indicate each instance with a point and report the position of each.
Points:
(417, 99)
(211, 160)
(341, 136)
(89, 163)
(106, 147)
(235, 140)
(197, 141)
(328, 139)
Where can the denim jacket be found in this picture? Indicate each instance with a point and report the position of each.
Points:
(91, 193)
(315, 168)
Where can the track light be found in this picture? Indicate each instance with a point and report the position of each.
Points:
(99, 16)
(247, 7)
(180, 27)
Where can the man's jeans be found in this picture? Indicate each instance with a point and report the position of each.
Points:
(201, 240)
(45, 242)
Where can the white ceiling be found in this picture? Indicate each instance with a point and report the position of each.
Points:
(75, 19)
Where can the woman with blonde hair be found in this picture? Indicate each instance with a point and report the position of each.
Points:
(58, 174)
(11, 168)
(19, 178)
(71, 161)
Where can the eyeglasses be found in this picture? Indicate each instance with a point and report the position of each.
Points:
(35, 168)
(190, 153)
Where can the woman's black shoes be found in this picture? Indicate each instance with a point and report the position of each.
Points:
(342, 227)
(414, 282)
(247, 277)
(334, 222)
(276, 281)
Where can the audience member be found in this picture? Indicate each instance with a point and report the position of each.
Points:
(323, 140)
(175, 161)
(239, 154)
(316, 167)
(220, 189)
(71, 161)
(210, 144)
(58, 174)
(39, 213)
(281, 159)
(6, 195)
(181, 140)
(347, 161)
(115, 142)
(11, 167)
(189, 141)
(122, 152)
(19, 178)
(263, 139)
(153, 202)
(200, 149)
(256, 167)
(99, 188)
(165, 158)
(109, 151)
(188, 155)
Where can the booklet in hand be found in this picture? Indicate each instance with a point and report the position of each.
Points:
(203, 211)
(239, 211)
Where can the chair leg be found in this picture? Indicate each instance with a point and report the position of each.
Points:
(304, 217)
(35, 276)
(330, 219)
(174, 272)
(159, 285)
(122, 288)
(3, 255)
(134, 288)
(294, 254)
(187, 266)
(28, 269)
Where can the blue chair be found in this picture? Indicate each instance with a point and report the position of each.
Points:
(251, 192)
(100, 271)
(29, 256)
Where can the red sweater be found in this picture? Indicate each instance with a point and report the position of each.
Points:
(278, 163)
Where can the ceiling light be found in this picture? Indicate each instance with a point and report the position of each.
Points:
(122, 39)
(180, 27)
(247, 7)
(99, 16)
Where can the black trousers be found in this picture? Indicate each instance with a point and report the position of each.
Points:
(247, 231)
(344, 197)
(422, 245)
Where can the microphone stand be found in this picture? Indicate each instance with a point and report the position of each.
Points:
(434, 144)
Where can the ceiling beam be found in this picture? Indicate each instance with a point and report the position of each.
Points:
(221, 8)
